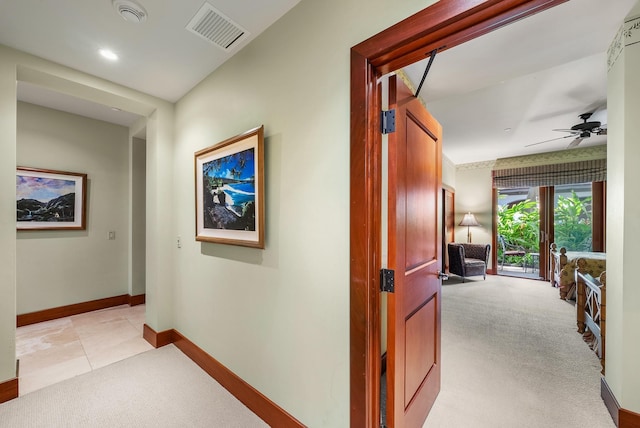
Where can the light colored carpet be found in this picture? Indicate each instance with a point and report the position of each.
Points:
(158, 388)
(511, 357)
(510, 351)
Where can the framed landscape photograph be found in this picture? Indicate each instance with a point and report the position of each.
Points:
(53, 200)
(230, 191)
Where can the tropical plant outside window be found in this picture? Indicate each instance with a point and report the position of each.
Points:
(573, 222)
(518, 223)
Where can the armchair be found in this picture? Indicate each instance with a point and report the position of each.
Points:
(468, 259)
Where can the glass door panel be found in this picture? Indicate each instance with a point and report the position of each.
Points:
(573, 217)
(518, 226)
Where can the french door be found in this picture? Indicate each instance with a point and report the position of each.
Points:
(530, 219)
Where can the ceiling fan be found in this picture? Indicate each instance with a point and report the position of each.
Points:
(579, 131)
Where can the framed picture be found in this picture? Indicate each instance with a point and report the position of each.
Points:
(50, 200)
(230, 191)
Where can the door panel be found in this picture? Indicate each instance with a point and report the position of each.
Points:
(419, 248)
(415, 253)
(420, 349)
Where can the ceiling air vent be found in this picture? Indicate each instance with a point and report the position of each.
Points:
(214, 26)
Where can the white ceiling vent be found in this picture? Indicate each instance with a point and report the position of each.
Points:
(212, 25)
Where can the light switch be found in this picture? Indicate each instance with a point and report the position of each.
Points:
(112, 235)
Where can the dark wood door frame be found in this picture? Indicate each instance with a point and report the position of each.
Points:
(441, 26)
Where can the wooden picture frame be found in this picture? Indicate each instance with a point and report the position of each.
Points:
(50, 200)
(230, 191)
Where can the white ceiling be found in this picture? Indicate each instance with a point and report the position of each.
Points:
(533, 76)
(158, 57)
(530, 77)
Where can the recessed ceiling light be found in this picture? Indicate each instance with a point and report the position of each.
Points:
(130, 11)
(108, 54)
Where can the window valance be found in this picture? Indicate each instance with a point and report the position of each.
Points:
(550, 175)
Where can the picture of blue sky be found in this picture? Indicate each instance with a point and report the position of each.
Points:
(42, 189)
(238, 166)
(229, 193)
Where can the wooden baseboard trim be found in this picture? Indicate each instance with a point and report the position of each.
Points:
(157, 340)
(139, 299)
(266, 409)
(623, 418)
(10, 389)
(628, 419)
(78, 308)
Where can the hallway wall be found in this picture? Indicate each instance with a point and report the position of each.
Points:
(158, 115)
(279, 317)
(623, 174)
(57, 268)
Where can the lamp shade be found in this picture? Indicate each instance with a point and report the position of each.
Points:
(469, 220)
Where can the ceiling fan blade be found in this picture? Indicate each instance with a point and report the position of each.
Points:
(575, 143)
(548, 141)
(573, 131)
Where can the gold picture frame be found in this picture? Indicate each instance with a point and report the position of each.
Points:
(229, 178)
(50, 200)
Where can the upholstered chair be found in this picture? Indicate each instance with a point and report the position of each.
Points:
(468, 259)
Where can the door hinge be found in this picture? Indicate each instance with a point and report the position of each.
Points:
(388, 121)
(387, 281)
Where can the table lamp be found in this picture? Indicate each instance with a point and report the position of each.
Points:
(469, 220)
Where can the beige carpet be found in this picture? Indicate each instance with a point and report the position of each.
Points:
(511, 357)
(158, 388)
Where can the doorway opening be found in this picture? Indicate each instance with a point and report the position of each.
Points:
(441, 26)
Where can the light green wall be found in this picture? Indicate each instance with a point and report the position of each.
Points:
(279, 317)
(615, 225)
(623, 175)
(160, 229)
(56, 268)
(8, 116)
(15, 65)
(138, 216)
(473, 193)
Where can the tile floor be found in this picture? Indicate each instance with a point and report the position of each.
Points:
(52, 351)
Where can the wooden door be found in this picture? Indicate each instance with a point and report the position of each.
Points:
(415, 254)
(546, 232)
(448, 224)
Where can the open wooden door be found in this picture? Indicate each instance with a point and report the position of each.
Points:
(448, 224)
(415, 254)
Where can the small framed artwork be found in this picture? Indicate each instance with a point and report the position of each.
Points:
(230, 191)
(50, 200)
